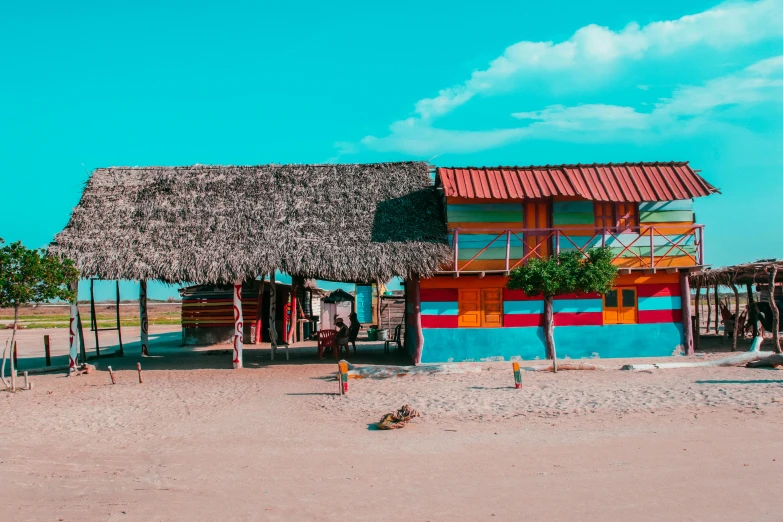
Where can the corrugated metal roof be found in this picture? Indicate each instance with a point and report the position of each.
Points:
(664, 181)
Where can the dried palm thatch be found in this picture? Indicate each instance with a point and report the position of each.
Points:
(742, 274)
(220, 224)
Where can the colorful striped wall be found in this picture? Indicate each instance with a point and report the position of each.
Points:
(580, 330)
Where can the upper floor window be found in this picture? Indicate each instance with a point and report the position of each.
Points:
(616, 216)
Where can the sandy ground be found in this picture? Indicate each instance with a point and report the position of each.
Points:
(275, 442)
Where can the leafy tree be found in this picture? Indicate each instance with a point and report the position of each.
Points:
(31, 276)
(566, 273)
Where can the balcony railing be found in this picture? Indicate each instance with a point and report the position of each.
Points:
(479, 250)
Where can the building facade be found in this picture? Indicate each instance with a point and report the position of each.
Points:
(498, 219)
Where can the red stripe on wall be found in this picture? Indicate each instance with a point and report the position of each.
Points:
(578, 296)
(660, 316)
(659, 289)
(439, 294)
(579, 319)
(518, 295)
(439, 321)
(517, 320)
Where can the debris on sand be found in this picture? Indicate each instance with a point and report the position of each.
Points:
(397, 419)
(384, 371)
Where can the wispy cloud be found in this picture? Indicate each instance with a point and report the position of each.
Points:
(725, 26)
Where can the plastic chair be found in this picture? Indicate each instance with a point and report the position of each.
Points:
(325, 340)
(395, 338)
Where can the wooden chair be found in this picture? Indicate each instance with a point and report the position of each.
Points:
(325, 340)
(395, 338)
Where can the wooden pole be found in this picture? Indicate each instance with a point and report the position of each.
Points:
(238, 326)
(717, 310)
(549, 331)
(119, 325)
(138, 368)
(259, 321)
(94, 318)
(26, 381)
(15, 358)
(697, 333)
(517, 375)
(293, 322)
(708, 302)
(73, 337)
(143, 318)
(752, 311)
(47, 351)
(272, 314)
(737, 325)
(111, 374)
(415, 289)
(687, 320)
(342, 368)
(773, 272)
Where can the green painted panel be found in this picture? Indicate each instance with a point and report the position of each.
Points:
(489, 217)
(572, 206)
(573, 218)
(666, 216)
(680, 204)
(486, 207)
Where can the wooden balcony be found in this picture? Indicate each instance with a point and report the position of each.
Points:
(648, 248)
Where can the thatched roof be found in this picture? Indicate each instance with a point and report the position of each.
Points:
(742, 274)
(214, 224)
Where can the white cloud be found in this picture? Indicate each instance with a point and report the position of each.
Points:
(724, 26)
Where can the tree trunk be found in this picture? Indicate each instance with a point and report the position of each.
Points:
(697, 333)
(772, 361)
(272, 315)
(415, 296)
(687, 319)
(736, 317)
(709, 308)
(773, 272)
(13, 349)
(549, 331)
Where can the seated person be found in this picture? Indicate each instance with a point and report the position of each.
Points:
(353, 330)
(342, 337)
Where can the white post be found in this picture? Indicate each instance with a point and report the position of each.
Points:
(73, 331)
(272, 314)
(238, 327)
(143, 318)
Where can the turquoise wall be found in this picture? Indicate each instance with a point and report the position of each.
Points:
(574, 342)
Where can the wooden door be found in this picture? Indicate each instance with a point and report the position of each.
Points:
(469, 308)
(538, 214)
(492, 305)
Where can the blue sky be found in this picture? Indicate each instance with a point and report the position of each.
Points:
(145, 83)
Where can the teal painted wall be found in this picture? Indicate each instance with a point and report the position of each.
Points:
(574, 342)
(364, 303)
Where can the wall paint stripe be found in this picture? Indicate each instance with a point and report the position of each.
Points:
(523, 320)
(577, 305)
(579, 319)
(573, 218)
(439, 308)
(439, 321)
(665, 216)
(439, 294)
(658, 290)
(523, 307)
(566, 207)
(660, 316)
(660, 303)
(680, 204)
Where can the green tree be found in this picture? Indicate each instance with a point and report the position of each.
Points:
(30, 276)
(566, 273)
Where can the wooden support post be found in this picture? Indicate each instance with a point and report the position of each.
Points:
(143, 318)
(717, 310)
(517, 375)
(138, 368)
(773, 271)
(238, 326)
(415, 298)
(293, 321)
(752, 311)
(47, 351)
(697, 333)
(119, 324)
(26, 381)
(687, 320)
(73, 336)
(259, 320)
(342, 373)
(111, 374)
(737, 324)
(94, 318)
(272, 314)
(708, 302)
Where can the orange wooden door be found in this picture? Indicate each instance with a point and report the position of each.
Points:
(469, 308)
(492, 305)
(627, 310)
(538, 214)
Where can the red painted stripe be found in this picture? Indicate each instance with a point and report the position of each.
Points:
(518, 320)
(439, 321)
(518, 295)
(659, 289)
(660, 316)
(439, 294)
(578, 296)
(579, 319)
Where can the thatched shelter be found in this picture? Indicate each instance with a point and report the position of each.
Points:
(215, 224)
(767, 274)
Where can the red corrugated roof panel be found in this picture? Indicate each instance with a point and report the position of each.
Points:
(664, 181)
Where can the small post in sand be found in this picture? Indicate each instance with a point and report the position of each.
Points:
(517, 375)
(111, 374)
(343, 376)
(26, 381)
(138, 367)
(47, 351)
